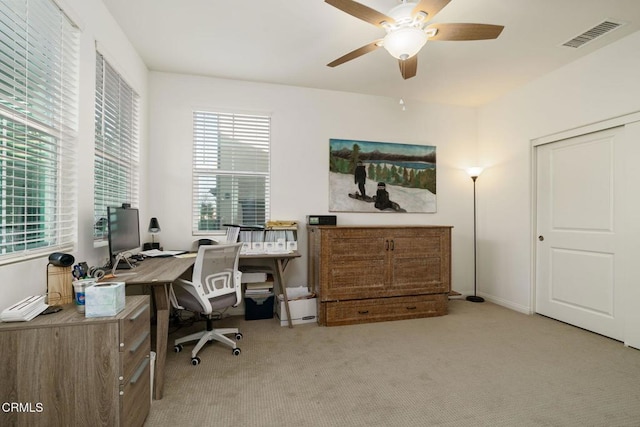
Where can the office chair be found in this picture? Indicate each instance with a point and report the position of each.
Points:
(215, 285)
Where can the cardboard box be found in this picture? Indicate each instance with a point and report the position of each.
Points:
(104, 299)
(302, 311)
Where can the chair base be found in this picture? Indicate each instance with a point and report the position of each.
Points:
(204, 337)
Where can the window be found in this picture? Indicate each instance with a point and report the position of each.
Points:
(38, 129)
(230, 170)
(116, 151)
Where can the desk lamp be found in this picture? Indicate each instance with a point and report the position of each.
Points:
(154, 228)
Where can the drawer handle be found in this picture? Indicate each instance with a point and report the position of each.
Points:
(138, 373)
(139, 312)
(363, 311)
(138, 343)
(412, 308)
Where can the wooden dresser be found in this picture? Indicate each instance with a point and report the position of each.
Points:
(63, 369)
(377, 273)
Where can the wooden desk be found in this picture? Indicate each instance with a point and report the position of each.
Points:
(280, 262)
(159, 273)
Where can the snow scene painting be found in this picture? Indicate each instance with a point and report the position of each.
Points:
(367, 176)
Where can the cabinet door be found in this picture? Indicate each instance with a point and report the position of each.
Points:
(419, 261)
(68, 373)
(354, 263)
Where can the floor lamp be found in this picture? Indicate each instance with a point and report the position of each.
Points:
(474, 173)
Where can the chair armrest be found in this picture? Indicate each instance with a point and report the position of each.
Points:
(190, 288)
(237, 283)
(173, 299)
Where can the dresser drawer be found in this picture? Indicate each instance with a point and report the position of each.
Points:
(383, 309)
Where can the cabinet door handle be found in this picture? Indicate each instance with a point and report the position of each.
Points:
(139, 312)
(386, 245)
(139, 371)
(393, 244)
(363, 311)
(138, 343)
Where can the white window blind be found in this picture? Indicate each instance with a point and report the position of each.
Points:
(116, 144)
(38, 129)
(230, 170)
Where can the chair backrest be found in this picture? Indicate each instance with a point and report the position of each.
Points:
(232, 234)
(215, 272)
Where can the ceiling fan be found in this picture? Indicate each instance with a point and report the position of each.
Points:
(407, 31)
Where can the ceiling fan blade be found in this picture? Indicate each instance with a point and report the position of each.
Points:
(361, 11)
(408, 67)
(456, 32)
(430, 7)
(356, 53)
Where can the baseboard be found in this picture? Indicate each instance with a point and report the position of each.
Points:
(507, 304)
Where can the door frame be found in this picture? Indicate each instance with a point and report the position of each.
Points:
(533, 184)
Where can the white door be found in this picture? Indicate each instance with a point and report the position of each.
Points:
(579, 230)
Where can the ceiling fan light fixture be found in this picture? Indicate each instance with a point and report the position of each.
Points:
(403, 43)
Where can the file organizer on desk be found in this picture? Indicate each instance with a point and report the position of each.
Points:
(276, 237)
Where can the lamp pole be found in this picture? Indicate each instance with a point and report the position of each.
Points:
(474, 172)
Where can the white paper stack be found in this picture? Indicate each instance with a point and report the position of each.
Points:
(24, 310)
(254, 273)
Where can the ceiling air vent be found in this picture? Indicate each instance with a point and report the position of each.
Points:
(592, 34)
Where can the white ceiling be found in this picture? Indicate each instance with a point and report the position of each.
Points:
(291, 41)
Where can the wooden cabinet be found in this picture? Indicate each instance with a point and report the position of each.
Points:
(367, 274)
(64, 369)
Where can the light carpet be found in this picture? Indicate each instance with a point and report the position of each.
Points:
(480, 365)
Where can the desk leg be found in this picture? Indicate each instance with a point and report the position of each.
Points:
(162, 332)
(280, 266)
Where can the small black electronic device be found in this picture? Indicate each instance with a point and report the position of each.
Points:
(321, 220)
(59, 259)
(51, 309)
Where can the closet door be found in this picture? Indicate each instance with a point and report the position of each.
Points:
(581, 231)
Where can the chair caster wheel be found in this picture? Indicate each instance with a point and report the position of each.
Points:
(235, 352)
(238, 336)
(195, 361)
(177, 348)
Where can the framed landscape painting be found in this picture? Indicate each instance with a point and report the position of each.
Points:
(367, 176)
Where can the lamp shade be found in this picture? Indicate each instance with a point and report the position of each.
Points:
(403, 43)
(154, 225)
(475, 171)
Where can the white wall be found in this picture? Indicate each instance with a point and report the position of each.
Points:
(595, 88)
(600, 86)
(24, 278)
(303, 120)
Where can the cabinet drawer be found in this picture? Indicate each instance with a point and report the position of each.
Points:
(136, 322)
(135, 397)
(135, 352)
(383, 309)
(136, 340)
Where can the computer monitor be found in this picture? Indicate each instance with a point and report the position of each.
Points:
(123, 231)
